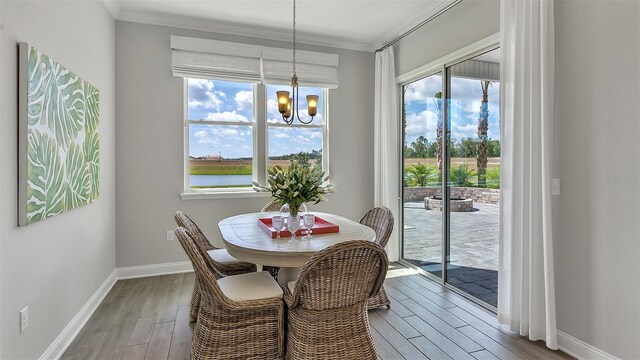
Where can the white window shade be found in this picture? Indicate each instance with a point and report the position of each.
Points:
(212, 59)
(313, 68)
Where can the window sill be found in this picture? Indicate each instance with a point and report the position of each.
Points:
(230, 194)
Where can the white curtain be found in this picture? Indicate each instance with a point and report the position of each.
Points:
(526, 295)
(386, 169)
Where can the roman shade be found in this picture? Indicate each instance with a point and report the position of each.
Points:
(313, 68)
(222, 60)
(212, 59)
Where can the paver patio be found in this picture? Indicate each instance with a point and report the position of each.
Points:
(473, 261)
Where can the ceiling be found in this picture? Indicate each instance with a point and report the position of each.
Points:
(351, 24)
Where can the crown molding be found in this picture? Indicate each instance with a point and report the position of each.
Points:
(223, 27)
(113, 7)
(410, 23)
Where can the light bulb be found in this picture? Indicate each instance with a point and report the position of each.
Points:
(312, 103)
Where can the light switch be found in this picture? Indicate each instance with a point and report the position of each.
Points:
(555, 186)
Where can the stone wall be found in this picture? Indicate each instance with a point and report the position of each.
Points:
(481, 195)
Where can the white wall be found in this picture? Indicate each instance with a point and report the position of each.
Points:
(596, 227)
(55, 265)
(596, 231)
(150, 144)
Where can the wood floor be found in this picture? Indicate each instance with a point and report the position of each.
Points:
(148, 318)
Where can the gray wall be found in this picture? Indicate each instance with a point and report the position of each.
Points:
(150, 144)
(597, 236)
(465, 24)
(55, 265)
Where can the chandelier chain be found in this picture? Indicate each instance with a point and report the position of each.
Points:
(294, 37)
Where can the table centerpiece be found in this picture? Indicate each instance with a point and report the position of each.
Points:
(297, 184)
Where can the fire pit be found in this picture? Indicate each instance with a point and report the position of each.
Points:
(457, 203)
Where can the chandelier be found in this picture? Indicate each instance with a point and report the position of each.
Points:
(286, 103)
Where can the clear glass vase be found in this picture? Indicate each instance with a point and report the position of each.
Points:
(285, 210)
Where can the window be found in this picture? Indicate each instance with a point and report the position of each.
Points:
(233, 137)
(287, 142)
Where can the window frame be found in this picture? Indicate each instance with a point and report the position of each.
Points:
(260, 128)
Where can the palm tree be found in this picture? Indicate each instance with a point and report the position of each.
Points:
(438, 102)
(483, 128)
(461, 176)
(419, 175)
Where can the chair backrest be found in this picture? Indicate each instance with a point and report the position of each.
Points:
(202, 265)
(184, 221)
(380, 219)
(341, 275)
(273, 205)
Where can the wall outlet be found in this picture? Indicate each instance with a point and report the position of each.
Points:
(24, 319)
(555, 186)
(170, 235)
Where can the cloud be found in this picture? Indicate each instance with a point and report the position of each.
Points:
(281, 135)
(459, 131)
(301, 139)
(202, 95)
(423, 90)
(201, 134)
(244, 100)
(227, 116)
(228, 132)
(421, 124)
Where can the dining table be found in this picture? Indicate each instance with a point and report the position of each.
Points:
(246, 241)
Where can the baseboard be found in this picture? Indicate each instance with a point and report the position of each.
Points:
(154, 269)
(69, 333)
(580, 349)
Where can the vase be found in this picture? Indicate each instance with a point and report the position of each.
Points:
(286, 210)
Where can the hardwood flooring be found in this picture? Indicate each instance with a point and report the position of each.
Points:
(148, 318)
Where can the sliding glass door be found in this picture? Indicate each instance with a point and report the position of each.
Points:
(452, 175)
(422, 162)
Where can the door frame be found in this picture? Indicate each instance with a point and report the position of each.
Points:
(438, 66)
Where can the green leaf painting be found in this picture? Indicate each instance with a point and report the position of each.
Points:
(62, 145)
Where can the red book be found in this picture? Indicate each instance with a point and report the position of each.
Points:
(321, 226)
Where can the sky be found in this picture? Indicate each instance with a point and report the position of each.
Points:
(227, 101)
(466, 95)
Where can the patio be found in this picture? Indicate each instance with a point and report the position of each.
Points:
(473, 265)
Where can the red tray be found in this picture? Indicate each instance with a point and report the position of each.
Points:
(321, 226)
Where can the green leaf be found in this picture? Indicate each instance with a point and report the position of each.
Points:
(78, 181)
(56, 98)
(45, 192)
(92, 159)
(92, 107)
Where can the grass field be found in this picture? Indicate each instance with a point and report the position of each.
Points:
(227, 167)
(244, 167)
(471, 162)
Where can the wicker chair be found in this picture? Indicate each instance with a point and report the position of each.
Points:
(241, 316)
(225, 263)
(273, 205)
(327, 317)
(379, 219)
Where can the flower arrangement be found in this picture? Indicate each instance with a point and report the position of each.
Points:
(298, 184)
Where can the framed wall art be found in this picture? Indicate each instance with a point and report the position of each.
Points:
(58, 138)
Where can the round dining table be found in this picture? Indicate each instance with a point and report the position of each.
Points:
(246, 241)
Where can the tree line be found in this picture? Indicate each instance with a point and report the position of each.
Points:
(459, 148)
